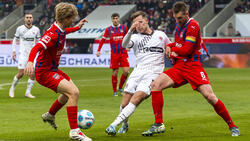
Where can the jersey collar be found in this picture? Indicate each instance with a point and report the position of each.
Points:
(117, 25)
(58, 27)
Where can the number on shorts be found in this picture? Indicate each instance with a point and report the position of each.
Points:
(203, 76)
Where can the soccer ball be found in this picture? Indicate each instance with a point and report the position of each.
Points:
(85, 119)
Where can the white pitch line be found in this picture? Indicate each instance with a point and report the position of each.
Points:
(8, 84)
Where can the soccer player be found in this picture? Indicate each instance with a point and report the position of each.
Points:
(119, 55)
(185, 52)
(149, 47)
(27, 34)
(50, 48)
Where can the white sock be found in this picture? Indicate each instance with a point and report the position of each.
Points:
(125, 121)
(29, 86)
(14, 83)
(75, 130)
(126, 112)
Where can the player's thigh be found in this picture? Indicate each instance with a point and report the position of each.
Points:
(124, 62)
(161, 82)
(132, 82)
(125, 69)
(22, 61)
(67, 88)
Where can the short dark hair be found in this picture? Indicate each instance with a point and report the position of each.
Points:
(138, 13)
(180, 6)
(115, 15)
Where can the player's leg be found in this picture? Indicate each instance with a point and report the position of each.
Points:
(125, 72)
(114, 81)
(56, 106)
(207, 91)
(125, 100)
(124, 64)
(30, 84)
(161, 82)
(15, 81)
(69, 89)
(136, 99)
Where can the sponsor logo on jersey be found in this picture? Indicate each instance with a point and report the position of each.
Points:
(178, 45)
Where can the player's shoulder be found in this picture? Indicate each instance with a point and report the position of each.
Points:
(193, 23)
(158, 32)
(20, 27)
(35, 27)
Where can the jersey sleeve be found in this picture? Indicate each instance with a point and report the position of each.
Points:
(166, 39)
(190, 41)
(48, 40)
(38, 35)
(133, 41)
(106, 33)
(126, 29)
(17, 34)
(72, 29)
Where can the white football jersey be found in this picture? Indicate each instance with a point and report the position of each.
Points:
(149, 50)
(27, 37)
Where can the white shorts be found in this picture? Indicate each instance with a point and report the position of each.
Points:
(140, 81)
(22, 60)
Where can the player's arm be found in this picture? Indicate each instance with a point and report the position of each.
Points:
(126, 42)
(188, 46)
(29, 69)
(105, 36)
(14, 43)
(78, 27)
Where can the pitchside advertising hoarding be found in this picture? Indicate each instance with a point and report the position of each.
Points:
(226, 52)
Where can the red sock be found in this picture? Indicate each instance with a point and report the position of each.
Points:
(122, 80)
(72, 116)
(56, 106)
(157, 103)
(221, 110)
(114, 83)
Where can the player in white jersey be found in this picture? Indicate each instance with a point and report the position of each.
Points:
(149, 48)
(27, 34)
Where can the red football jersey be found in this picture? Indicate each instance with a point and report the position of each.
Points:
(187, 41)
(116, 35)
(53, 42)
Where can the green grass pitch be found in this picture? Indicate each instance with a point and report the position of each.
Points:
(187, 115)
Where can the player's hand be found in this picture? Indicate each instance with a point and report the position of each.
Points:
(168, 52)
(29, 69)
(98, 53)
(14, 55)
(81, 23)
(174, 54)
(133, 26)
(128, 49)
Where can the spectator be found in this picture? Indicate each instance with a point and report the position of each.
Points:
(230, 31)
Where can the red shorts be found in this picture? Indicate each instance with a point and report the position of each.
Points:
(188, 72)
(118, 60)
(51, 79)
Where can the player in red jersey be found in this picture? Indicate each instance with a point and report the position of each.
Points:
(119, 55)
(50, 49)
(187, 68)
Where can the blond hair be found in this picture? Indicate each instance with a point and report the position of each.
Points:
(65, 10)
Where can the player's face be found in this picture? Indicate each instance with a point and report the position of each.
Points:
(115, 21)
(181, 18)
(68, 22)
(142, 24)
(28, 19)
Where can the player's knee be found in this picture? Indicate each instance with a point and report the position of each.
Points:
(155, 86)
(20, 75)
(211, 98)
(74, 93)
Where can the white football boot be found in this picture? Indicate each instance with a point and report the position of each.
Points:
(77, 134)
(47, 117)
(11, 92)
(29, 96)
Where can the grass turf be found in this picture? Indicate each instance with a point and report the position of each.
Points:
(187, 115)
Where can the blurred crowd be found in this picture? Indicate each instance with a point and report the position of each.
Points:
(243, 6)
(159, 11)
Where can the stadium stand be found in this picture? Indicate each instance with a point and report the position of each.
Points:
(159, 11)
